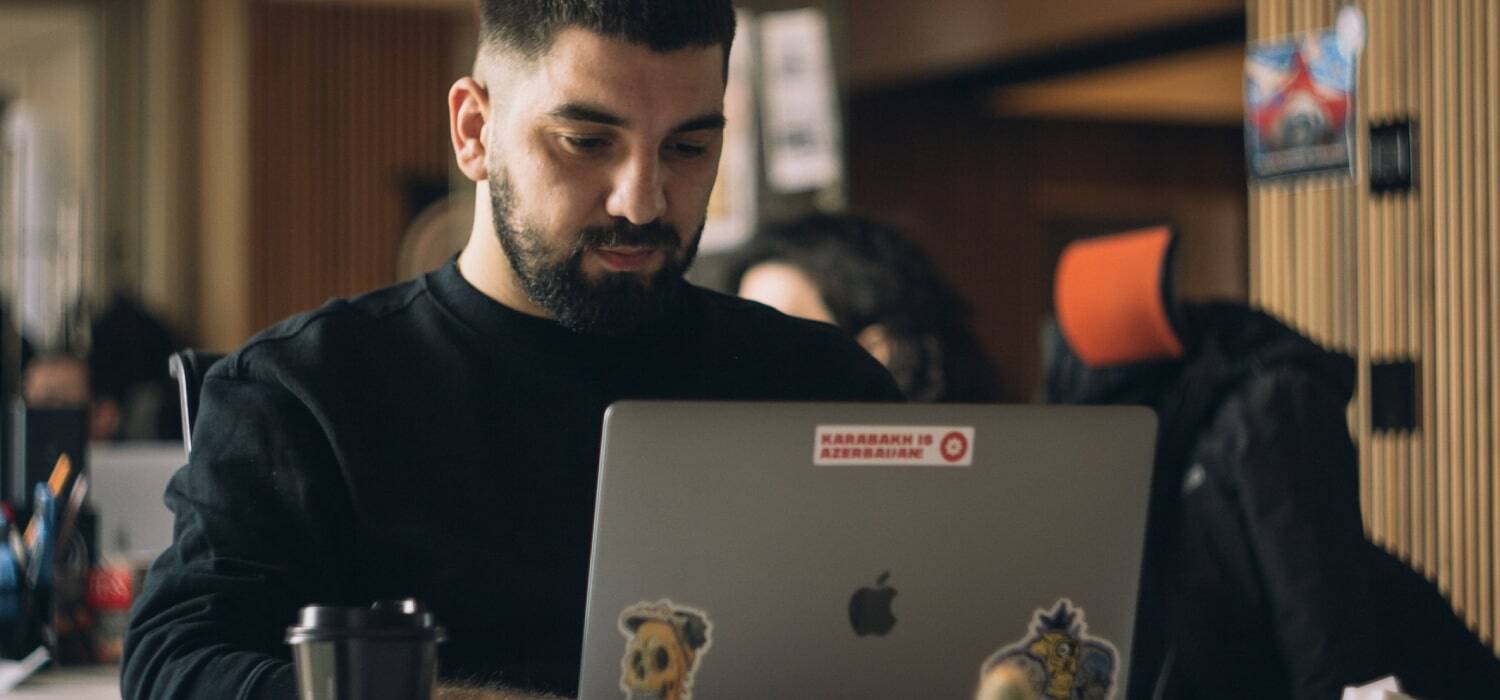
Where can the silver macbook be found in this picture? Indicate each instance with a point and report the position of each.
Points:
(786, 550)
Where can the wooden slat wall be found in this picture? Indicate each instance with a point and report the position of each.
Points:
(1408, 276)
(347, 102)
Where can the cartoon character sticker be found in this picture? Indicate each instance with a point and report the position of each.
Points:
(1058, 658)
(664, 643)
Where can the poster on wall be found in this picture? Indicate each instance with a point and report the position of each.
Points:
(1300, 100)
(802, 139)
(732, 207)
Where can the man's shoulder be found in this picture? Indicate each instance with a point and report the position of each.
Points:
(812, 359)
(335, 331)
(756, 324)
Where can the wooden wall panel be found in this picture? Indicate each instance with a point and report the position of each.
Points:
(1492, 130)
(986, 198)
(1413, 275)
(347, 104)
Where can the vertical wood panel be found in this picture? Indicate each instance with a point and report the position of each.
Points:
(1377, 305)
(1448, 350)
(1398, 234)
(1486, 322)
(1362, 342)
(347, 105)
(1405, 261)
(1417, 292)
(1427, 194)
(1402, 16)
(1467, 298)
(1384, 107)
(1398, 521)
(1423, 280)
(1492, 61)
(1463, 532)
(1364, 329)
(1370, 344)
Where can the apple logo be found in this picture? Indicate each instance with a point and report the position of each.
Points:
(870, 608)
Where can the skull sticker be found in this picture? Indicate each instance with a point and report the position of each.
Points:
(664, 643)
(1058, 658)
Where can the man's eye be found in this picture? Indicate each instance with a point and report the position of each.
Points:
(585, 144)
(686, 150)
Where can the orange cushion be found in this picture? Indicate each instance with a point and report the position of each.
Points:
(1111, 298)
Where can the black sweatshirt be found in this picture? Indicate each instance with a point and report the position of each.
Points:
(426, 441)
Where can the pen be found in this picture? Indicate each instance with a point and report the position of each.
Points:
(70, 512)
(55, 483)
(44, 517)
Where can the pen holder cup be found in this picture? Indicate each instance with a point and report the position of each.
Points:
(20, 626)
(45, 603)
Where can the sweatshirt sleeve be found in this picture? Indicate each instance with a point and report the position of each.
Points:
(257, 511)
(1299, 478)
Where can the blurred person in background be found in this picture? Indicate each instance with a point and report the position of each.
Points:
(1259, 581)
(123, 382)
(875, 284)
(62, 381)
(128, 351)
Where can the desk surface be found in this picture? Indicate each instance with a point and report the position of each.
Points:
(71, 683)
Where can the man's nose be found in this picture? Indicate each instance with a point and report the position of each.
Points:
(639, 194)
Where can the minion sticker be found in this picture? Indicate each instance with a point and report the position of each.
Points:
(1058, 658)
(663, 647)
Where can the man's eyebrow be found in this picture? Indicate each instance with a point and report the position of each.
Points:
(713, 120)
(577, 112)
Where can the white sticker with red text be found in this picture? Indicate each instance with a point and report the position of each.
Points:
(893, 446)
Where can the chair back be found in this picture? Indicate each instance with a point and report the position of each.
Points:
(189, 367)
(1113, 298)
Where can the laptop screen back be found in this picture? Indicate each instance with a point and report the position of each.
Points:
(754, 550)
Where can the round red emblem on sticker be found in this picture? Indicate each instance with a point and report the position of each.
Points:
(954, 446)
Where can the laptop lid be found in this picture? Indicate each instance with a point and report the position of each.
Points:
(755, 550)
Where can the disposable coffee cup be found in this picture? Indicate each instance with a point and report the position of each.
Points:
(387, 651)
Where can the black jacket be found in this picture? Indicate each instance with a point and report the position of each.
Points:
(1259, 581)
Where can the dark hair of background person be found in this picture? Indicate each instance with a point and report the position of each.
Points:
(528, 27)
(127, 362)
(868, 273)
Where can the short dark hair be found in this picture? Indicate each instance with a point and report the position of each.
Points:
(528, 27)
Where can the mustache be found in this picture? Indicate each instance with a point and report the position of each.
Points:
(623, 234)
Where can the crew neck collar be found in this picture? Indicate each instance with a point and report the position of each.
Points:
(503, 323)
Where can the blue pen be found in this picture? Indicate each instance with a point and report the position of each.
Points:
(39, 564)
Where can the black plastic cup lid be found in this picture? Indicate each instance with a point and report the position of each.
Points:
(385, 619)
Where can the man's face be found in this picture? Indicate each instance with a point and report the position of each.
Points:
(601, 157)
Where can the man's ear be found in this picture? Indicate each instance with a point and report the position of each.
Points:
(468, 113)
(876, 340)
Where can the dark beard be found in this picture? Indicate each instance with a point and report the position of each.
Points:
(617, 303)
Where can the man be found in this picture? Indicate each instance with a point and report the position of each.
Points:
(439, 439)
